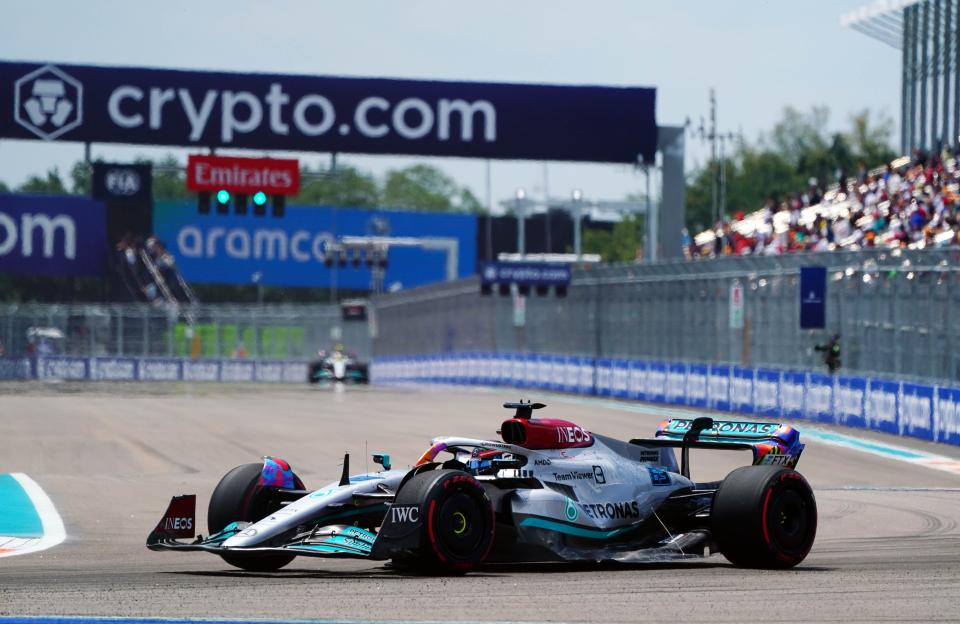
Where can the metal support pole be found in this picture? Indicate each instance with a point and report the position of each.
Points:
(945, 68)
(914, 75)
(723, 177)
(956, 79)
(577, 224)
(521, 231)
(653, 221)
(904, 82)
(713, 157)
(489, 224)
(935, 78)
(924, 62)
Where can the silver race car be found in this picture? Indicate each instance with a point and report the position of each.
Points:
(547, 491)
(337, 366)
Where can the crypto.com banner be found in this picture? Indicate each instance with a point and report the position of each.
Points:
(326, 114)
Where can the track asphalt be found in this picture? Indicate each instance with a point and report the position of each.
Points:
(110, 456)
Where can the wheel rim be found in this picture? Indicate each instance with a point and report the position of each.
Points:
(460, 525)
(789, 520)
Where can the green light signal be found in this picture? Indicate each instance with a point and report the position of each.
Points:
(223, 196)
(259, 198)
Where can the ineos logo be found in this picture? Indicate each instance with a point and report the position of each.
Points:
(405, 514)
(178, 524)
(122, 182)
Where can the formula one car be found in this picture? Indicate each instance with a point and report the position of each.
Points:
(549, 491)
(337, 366)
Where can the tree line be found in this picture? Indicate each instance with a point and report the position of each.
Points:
(417, 187)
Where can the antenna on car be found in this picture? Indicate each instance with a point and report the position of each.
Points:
(524, 408)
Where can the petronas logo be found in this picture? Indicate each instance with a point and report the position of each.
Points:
(571, 511)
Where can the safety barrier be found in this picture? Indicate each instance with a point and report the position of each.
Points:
(153, 369)
(922, 411)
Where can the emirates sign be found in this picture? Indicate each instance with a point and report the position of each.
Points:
(272, 176)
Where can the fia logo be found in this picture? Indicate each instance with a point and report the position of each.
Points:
(122, 182)
(48, 102)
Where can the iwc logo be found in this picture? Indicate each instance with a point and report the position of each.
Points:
(48, 102)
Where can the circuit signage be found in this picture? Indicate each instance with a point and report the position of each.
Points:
(327, 114)
(273, 176)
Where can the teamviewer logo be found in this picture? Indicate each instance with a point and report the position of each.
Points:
(48, 102)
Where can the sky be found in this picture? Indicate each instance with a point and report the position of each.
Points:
(760, 56)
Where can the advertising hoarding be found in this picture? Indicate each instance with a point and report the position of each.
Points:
(52, 235)
(326, 114)
(230, 249)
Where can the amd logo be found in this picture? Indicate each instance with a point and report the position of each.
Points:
(11, 233)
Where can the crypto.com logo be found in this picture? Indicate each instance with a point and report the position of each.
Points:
(48, 102)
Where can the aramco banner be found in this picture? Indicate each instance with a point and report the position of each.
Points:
(48, 235)
(231, 249)
(326, 114)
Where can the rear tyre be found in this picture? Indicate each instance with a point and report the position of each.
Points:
(239, 498)
(457, 521)
(764, 517)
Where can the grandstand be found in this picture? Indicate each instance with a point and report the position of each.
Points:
(909, 203)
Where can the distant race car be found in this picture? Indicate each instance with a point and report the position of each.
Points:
(337, 366)
(549, 491)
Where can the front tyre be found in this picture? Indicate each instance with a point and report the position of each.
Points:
(239, 498)
(764, 517)
(456, 518)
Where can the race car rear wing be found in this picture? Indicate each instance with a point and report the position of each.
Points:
(771, 443)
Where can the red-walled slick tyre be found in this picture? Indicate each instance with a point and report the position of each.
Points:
(764, 517)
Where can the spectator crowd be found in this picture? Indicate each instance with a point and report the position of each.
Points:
(913, 202)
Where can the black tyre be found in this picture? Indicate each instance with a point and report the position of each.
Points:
(456, 517)
(764, 517)
(239, 498)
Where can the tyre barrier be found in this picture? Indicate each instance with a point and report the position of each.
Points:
(928, 412)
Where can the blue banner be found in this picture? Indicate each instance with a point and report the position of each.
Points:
(230, 249)
(697, 377)
(818, 398)
(792, 386)
(766, 392)
(882, 405)
(326, 114)
(526, 273)
(741, 390)
(948, 416)
(47, 235)
(916, 411)
(718, 388)
(638, 380)
(677, 384)
(813, 297)
(851, 393)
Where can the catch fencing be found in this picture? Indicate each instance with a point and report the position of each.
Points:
(895, 312)
(204, 332)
